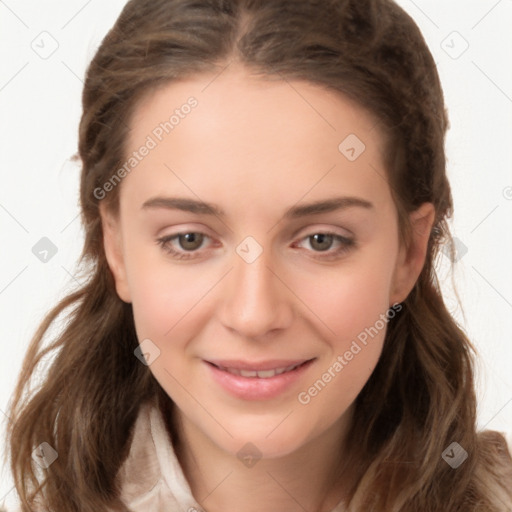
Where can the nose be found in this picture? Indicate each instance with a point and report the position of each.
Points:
(256, 302)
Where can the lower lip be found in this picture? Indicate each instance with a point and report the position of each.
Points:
(254, 388)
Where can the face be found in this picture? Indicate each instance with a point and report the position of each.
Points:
(258, 243)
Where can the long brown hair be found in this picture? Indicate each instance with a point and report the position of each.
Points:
(419, 399)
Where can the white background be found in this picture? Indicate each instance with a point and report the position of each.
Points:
(40, 111)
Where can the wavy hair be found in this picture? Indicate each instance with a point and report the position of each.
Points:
(419, 399)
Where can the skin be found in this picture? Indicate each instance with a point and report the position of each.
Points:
(256, 148)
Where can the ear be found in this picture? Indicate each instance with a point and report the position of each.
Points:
(411, 258)
(112, 244)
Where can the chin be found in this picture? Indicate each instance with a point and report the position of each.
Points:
(269, 443)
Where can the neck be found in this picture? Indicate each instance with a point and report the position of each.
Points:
(307, 479)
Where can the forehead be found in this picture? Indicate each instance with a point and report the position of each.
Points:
(237, 132)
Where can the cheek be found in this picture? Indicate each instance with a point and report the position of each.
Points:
(353, 313)
(163, 293)
(170, 306)
(348, 299)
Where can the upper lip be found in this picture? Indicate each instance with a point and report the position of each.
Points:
(272, 364)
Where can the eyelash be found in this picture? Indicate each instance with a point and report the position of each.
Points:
(346, 245)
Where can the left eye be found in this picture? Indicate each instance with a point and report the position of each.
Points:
(322, 242)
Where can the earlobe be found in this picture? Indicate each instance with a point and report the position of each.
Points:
(412, 258)
(112, 244)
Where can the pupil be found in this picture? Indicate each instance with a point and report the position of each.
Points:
(321, 241)
(191, 241)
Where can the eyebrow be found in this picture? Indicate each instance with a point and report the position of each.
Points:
(297, 211)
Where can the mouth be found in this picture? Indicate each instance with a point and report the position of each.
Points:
(258, 371)
(258, 381)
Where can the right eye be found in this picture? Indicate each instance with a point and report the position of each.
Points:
(183, 245)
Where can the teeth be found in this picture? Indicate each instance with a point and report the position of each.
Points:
(265, 374)
(248, 373)
(262, 374)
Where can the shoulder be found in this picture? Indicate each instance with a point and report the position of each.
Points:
(494, 468)
(496, 449)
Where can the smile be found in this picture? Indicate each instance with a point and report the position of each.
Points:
(260, 374)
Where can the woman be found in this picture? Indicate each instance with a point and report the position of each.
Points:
(264, 195)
